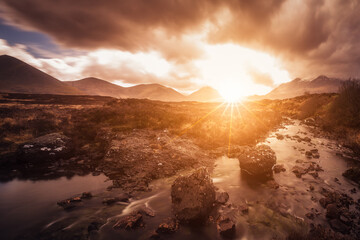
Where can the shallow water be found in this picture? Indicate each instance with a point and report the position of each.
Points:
(27, 205)
(272, 212)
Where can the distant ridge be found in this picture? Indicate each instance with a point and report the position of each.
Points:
(298, 87)
(17, 76)
(205, 94)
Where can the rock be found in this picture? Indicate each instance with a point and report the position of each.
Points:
(339, 226)
(47, 147)
(353, 174)
(311, 188)
(193, 196)
(298, 171)
(314, 174)
(279, 168)
(147, 211)
(310, 215)
(132, 221)
(272, 184)
(226, 227)
(69, 203)
(243, 208)
(279, 136)
(86, 195)
(257, 161)
(308, 154)
(332, 211)
(221, 197)
(353, 190)
(169, 226)
(306, 139)
(109, 201)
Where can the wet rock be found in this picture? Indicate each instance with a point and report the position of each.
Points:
(339, 226)
(226, 227)
(298, 171)
(279, 168)
(332, 211)
(308, 154)
(279, 136)
(168, 227)
(47, 147)
(129, 222)
(272, 184)
(353, 190)
(222, 197)
(257, 161)
(193, 196)
(353, 174)
(109, 201)
(69, 203)
(243, 208)
(86, 195)
(147, 211)
(314, 174)
(310, 215)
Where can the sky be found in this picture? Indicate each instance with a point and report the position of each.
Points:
(247, 47)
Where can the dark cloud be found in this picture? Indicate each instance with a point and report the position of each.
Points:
(319, 35)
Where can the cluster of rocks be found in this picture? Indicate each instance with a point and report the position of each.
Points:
(134, 159)
(52, 146)
(313, 153)
(338, 213)
(353, 174)
(134, 220)
(306, 167)
(73, 202)
(257, 162)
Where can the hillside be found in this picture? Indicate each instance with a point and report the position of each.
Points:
(17, 76)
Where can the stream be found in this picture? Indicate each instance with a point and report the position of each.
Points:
(271, 212)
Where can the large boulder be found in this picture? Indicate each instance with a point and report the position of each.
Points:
(47, 147)
(193, 196)
(257, 161)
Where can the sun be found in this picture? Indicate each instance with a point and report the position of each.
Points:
(232, 70)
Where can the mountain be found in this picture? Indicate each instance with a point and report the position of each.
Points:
(205, 94)
(17, 76)
(95, 86)
(154, 92)
(298, 87)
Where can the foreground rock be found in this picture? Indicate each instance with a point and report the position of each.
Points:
(257, 161)
(193, 196)
(353, 174)
(132, 221)
(226, 227)
(48, 147)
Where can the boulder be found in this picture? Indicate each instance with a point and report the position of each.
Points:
(129, 222)
(169, 226)
(353, 174)
(257, 161)
(226, 227)
(222, 197)
(193, 196)
(279, 168)
(48, 147)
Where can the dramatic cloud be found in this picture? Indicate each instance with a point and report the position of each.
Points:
(309, 37)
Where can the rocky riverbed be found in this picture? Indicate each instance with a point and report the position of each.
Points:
(290, 186)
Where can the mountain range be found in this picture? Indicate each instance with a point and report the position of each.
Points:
(17, 76)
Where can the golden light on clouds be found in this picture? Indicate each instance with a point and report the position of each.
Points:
(237, 72)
